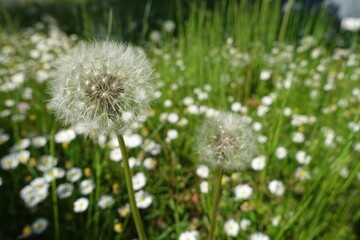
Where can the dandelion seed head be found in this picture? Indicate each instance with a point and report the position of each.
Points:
(98, 85)
(226, 140)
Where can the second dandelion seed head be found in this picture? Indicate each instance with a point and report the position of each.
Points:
(226, 141)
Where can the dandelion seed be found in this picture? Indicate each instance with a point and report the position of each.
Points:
(226, 141)
(98, 84)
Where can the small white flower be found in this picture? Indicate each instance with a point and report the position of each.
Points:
(236, 107)
(193, 109)
(139, 181)
(265, 75)
(132, 141)
(188, 101)
(243, 191)
(65, 136)
(231, 228)
(4, 138)
(124, 210)
(172, 134)
(302, 174)
(202, 171)
(106, 201)
(259, 236)
(344, 172)
(256, 126)
(302, 158)
(9, 162)
(287, 111)
(155, 36)
(81, 205)
(73, 174)
(168, 103)
(169, 26)
(143, 199)
(64, 190)
(23, 156)
(298, 137)
(276, 220)
(266, 100)
(258, 163)
(1, 181)
(149, 163)
(39, 142)
(276, 187)
(281, 152)
(46, 163)
(86, 186)
(204, 187)
(262, 110)
(54, 173)
(39, 225)
(262, 139)
(115, 155)
(189, 235)
(244, 224)
(173, 118)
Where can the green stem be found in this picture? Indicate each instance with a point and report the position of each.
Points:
(285, 20)
(128, 180)
(53, 190)
(217, 193)
(97, 190)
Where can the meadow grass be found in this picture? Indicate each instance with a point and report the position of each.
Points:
(294, 76)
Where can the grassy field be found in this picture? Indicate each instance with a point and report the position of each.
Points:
(294, 75)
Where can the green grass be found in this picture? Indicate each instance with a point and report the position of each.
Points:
(225, 47)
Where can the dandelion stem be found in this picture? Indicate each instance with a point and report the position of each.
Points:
(97, 190)
(217, 193)
(129, 186)
(53, 189)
